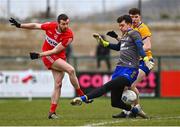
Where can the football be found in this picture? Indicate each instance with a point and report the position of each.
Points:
(128, 97)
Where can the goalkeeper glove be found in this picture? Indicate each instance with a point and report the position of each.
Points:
(112, 34)
(149, 62)
(14, 22)
(34, 55)
(100, 40)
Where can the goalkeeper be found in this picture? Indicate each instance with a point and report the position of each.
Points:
(129, 47)
(146, 37)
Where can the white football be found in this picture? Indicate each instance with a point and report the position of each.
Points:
(128, 97)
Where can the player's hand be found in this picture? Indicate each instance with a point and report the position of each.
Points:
(149, 62)
(34, 55)
(112, 34)
(14, 22)
(100, 40)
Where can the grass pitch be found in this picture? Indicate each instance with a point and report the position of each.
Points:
(21, 112)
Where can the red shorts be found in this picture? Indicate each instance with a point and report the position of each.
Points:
(49, 60)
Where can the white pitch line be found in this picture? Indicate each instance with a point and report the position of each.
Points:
(110, 122)
(124, 120)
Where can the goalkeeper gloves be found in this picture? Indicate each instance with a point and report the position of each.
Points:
(34, 55)
(14, 22)
(112, 34)
(100, 40)
(149, 62)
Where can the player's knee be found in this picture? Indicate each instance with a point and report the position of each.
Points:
(58, 86)
(120, 104)
(71, 71)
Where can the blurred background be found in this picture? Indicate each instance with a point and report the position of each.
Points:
(18, 72)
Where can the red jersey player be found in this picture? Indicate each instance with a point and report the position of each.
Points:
(58, 36)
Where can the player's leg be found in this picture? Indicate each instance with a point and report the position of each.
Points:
(140, 77)
(118, 103)
(128, 110)
(124, 113)
(62, 65)
(117, 83)
(137, 106)
(58, 76)
(143, 71)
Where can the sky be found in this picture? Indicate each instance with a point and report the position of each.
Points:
(25, 8)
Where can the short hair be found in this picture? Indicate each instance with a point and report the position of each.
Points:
(134, 11)
(125, 18)
(62, 17)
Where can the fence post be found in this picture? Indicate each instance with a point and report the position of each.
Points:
(159, 77)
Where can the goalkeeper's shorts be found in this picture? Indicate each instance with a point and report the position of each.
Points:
(143, 67)
(127, 72)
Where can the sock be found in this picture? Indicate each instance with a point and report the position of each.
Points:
(79, 92)
(84, 98)
(134, 110)
(53, 108)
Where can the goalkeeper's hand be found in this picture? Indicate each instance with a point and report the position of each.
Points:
(34, 55)
(100, 40)
(14, 22)
(149, 62)
(112, 34)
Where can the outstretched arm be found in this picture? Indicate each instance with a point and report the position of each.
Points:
(114, 46)
(31, 26)
(105, 43)
(56, 50)
(24, 25)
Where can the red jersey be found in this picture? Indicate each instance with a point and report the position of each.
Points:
(53, 37)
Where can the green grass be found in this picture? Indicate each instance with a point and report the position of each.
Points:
(21, 112)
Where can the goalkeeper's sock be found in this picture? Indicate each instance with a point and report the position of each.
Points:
(53, 108)
(84, 98)
(134, 110)
(79, 92)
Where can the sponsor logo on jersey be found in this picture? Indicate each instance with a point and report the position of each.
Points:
(123, 46)
(51, 41)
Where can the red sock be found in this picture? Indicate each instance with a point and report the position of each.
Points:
(79, 92)
(53, 107)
